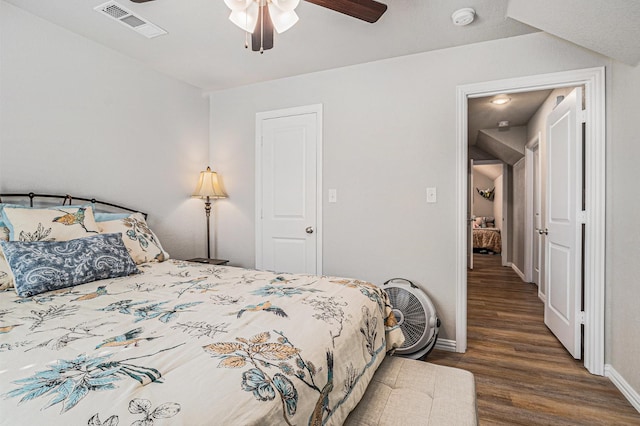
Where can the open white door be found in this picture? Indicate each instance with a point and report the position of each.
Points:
(470, 217)
(537, 224)
(563, 242)
(288, 189)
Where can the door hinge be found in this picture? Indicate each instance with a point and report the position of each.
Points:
(581, 317)
(583, 116)
(582, 216)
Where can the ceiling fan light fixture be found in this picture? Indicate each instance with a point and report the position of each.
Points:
(245, 19)
(238, 5)
(285, 5)
(282, 20)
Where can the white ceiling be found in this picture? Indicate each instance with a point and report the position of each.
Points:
(609, 27)
(492, 171)
(205, 49)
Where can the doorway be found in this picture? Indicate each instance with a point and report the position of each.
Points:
(594, 83)
(533, 216)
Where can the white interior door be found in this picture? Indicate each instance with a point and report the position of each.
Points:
(537, 223)
(505, 219)
(287, 193)
(563, 242)
(470, 216)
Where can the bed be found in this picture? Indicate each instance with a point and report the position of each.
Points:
(175, 342)
(486, 237)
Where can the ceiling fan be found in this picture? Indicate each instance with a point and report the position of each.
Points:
(261, 17)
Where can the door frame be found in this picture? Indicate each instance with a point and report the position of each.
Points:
(594, 83)
(288, 112)
(530, 189)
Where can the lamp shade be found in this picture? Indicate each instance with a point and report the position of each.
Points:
(208, 185)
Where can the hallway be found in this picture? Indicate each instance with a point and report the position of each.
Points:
(523, 374)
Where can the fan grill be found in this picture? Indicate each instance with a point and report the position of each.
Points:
(412, 319)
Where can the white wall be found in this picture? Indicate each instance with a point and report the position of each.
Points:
(497, 204)
(623, 230)
(78, 118)
(482, 206)
(389, 132)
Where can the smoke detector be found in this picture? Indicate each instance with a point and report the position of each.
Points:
(119, 13)
(463, 17)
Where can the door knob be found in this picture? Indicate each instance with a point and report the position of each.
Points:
(544, 231)
(309, 230)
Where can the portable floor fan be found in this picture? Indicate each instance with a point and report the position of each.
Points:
(416, 317)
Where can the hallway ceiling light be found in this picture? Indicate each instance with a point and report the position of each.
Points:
(500, 100)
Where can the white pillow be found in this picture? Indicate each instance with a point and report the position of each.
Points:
(50, 224)
(141, 242)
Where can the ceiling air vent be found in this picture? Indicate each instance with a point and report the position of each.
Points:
(116, 11)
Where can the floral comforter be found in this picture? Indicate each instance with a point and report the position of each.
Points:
(191, 344)
(487, 238)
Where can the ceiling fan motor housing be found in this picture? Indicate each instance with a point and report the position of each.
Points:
(416, 316)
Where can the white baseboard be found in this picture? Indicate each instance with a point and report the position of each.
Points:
(517, 271)
(631, 394)
(446, 345)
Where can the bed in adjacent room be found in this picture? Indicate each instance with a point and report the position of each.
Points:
(153, 340)
(486, 237)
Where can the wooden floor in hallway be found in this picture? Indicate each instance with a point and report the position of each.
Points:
(524, 376)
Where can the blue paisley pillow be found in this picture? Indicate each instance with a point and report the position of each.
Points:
(41, 266)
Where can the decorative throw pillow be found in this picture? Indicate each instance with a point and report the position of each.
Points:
(41, 266)
(52, 224)
(104, 217)
(6, 279)
(4, 231)
(142, 243)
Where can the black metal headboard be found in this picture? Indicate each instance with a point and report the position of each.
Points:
(68, 199)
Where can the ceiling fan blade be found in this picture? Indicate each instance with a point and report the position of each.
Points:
(262, 37)
(367, 10)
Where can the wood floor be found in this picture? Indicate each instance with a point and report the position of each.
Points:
(523, 375)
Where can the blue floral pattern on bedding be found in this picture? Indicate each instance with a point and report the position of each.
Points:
(44, 266)
(186, 344)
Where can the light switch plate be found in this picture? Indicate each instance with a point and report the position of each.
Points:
(431, 195)
(333, 195)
